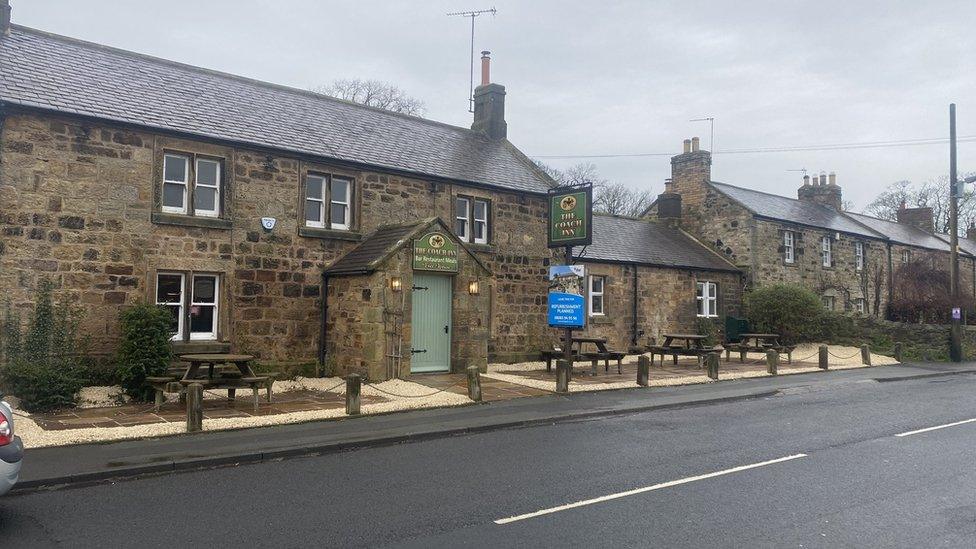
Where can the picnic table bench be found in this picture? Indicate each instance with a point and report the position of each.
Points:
(215, 376)
(694, 345)
(758, 343)
(576, 349)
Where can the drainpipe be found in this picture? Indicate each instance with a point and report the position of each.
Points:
(325, 316)
(633, 338)
(891, 280)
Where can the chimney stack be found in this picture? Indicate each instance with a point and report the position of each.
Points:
(489, 104)
(691, 173)
(669, 205)
(971, 231)
(5, 17)
(819, 191)
(695, 144)
(687, 146)
(920, 218)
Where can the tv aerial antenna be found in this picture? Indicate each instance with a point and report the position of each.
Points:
(711, 131)
(801, 170)
(473, 15)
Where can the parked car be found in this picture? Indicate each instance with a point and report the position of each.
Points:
(11, 450)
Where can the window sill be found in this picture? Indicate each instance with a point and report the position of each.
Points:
(315, 232)
(479, 247)
(160, 218)
(601, 319)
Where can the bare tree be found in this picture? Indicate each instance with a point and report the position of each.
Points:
(374, 93)
(933, 193)
(610, 198)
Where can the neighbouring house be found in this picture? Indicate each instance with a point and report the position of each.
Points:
(645, 278)
(126, 178)
(846, 258)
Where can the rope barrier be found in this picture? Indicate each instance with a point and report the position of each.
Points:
(843, 357)
(413, 396)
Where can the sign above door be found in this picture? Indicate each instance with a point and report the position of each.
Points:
(435, 251)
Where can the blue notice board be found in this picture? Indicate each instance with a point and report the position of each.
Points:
(566, 300)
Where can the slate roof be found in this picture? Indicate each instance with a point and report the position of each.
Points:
(790, 209)
(47, 71)
(628, 240)
(901, 233)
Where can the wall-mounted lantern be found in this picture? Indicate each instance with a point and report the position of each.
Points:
(473, 288)
(396, 283)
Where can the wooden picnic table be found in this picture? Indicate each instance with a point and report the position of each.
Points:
(692, 341)
(758, 343)
(602, 353)
(761, 340)
(694, 345)
(243, 363)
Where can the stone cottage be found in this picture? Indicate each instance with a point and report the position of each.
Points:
(846, 258)
(251, 209)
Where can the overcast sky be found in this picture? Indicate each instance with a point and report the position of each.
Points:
(607, 77)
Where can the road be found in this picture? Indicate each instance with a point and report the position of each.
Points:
(818, 466)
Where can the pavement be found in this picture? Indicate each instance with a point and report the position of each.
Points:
(81, 464)
(836, 460)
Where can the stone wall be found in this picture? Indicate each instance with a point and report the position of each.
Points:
(78, 207)
(666, 301)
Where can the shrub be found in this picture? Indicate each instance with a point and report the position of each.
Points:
(791, 311)
(144, 349)
(46, 366)
(921, 294)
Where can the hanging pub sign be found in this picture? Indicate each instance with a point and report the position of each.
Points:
(566, 303)
(435, 251)
(571, 216)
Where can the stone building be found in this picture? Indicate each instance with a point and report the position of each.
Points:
(846, 258)
(126, 178)
(645, 278)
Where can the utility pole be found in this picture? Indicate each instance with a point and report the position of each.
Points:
(472, 15)
(955, 337)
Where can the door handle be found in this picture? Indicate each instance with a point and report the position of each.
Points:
(445, 329)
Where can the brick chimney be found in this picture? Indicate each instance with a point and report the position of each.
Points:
(5, 17)
(920, 218)
(489, 104)
(821, 190)
(669, 205)
(691, 171)
(971, 231)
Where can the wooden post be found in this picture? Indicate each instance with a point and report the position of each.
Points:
(194, 408)
(354, 384)
(474, 383)
(711, 362)
(897, 352)
(564, 369)
(865, 354)
(823, 357)
(643, 370)
(772, 361)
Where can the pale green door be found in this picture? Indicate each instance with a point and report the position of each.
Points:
(430, 326)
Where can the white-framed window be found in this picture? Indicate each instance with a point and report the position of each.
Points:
(176, 177)
(203, 306)
(340, 195)
(828, 302)
(194, 306)
(706, 296)
(906, 256)
(169, 294)
(859, 256)
(480, 217)
(825, 253)
(789, 246)
(315, 187)
(859, 305)
(596, 295)
(462, 222)
(206, 188)
(471, 219)
(328, 202)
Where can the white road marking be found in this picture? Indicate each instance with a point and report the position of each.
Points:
(645, 489)
(927, 429)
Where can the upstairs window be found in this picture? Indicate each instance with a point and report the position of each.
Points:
(859, 256)
(191, 185)
(706, 296)
(596, 295)
(828, 302)
(789, 247)
(328, 202)
(471, 219)
(859, 305)
(906, 256)
(825, 254)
